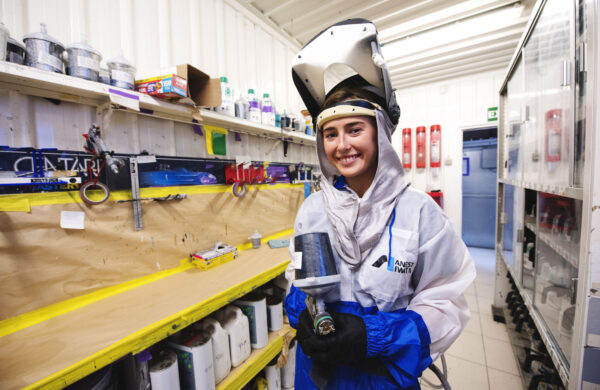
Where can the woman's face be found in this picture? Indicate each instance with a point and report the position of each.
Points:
(351, 146)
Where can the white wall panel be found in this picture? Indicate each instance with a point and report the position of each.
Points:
(455, 104)
(218, 36)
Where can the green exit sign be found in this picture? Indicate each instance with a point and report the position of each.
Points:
(492, 114)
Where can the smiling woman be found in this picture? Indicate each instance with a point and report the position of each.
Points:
(402, 267)
(351, 146)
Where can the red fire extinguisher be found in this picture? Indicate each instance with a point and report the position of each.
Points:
(435, 139)
(406, 148)
(553, 134)
(421, 151)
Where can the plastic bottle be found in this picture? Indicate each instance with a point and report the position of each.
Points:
(227, 106)
(253, 107)
(267, 112)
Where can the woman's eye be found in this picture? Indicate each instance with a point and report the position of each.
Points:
(355, 130)
(330, 135)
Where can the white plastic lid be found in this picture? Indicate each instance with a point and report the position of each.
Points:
(83, 45)
(4, 28)
(119, 60)
(255, 236)
(43, 36)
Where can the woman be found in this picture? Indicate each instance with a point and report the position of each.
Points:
(403, 268)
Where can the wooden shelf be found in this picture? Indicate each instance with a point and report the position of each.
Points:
(61, 350)
(257, 360)
(36, 82)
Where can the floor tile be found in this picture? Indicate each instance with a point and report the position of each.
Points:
(474, 324)
(484, 305)
(499, 355)
(484, 290)
(485, 278)
(468, 346)
(472, 302)
(462, 374)
(471, 289)
(493, 329)
(502, 381)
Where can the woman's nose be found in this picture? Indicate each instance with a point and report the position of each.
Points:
(343, 142)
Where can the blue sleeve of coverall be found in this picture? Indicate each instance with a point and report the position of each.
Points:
(399, 339)
(294, 304)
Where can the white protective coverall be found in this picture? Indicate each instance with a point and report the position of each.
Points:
(413, 307)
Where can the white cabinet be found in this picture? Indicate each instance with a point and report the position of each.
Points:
(547, 184)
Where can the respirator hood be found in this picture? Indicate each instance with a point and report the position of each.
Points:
(344, 50)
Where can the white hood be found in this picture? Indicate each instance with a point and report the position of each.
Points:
(359, 222)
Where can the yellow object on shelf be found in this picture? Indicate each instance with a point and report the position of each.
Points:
(220, 254)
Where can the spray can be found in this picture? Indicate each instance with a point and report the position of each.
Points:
(253, 107)
(241, 107)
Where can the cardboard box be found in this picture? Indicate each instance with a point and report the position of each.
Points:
(165, 87)
(201, 89)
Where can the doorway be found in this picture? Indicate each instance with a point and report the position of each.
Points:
(480, 156)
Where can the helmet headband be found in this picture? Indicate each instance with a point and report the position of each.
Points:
(347, 108)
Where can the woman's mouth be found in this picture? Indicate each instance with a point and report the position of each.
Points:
(348, 160)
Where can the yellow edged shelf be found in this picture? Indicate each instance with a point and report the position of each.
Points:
(257, 360)
(62, 349)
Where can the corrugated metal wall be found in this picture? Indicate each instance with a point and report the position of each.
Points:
(454, 104)
(218, 36)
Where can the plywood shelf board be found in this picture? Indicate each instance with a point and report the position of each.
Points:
(63, 349)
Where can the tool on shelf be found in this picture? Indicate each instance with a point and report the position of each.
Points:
(95, 145)
(243, 172)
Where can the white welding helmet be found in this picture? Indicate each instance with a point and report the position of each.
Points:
(344, 50)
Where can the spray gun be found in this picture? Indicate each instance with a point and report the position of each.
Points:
(316, 275)
(94, 144)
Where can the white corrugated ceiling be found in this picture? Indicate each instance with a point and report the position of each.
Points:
(423, 40)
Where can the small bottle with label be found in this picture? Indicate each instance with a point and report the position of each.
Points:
(227, 106)
(253, 107)
(267, 113)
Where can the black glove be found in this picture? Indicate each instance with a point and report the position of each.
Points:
(305, 327)
(347, 345)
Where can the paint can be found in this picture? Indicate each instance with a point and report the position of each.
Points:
(274, 313)
(164, 373)
(288, 371)
(254, 306)
(195, 360)
(273, 375)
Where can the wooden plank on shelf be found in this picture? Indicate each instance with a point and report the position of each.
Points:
(257, 360)
(63, 349)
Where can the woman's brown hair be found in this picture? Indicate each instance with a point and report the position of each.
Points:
(352, 88)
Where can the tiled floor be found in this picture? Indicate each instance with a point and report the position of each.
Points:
(481, 358)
